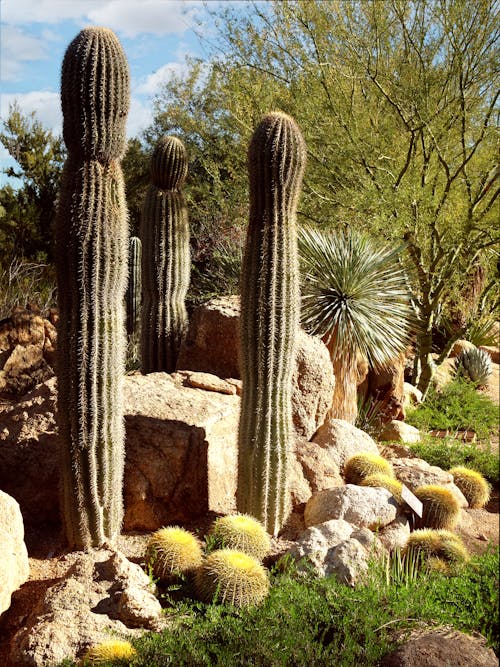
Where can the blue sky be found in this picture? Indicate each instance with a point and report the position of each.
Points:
(156, 35)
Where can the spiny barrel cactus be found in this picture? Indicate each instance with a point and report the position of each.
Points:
(113, 650)
(241, 532)
(269, 319)
(172, 551)
(133, 295)
(91, 262)
(364, 464)
(476, 364)
(232, 577)
(384, 481)
(473, 485)
(440, 507)
(165, 258)
(442, 544)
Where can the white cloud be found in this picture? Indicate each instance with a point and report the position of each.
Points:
(153, 82)
(17, 48)
(46, 105)
(139, 117)
(128, 17)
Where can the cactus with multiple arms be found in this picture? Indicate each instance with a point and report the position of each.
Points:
(269, 319)
(92, 242)
(165, 258)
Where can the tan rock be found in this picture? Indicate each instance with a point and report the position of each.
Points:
(444, 374)
(342, 440)
(319, 468)
(412, 395)
(416, 472)
(493, 351)
(362, 506)
(386, 385)
(396, 431)
(207, 381)
(395, 534)
(460, 346)
(14, 570)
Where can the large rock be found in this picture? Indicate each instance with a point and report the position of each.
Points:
(27, 344)
(102, 593)
(441, 647)
(212, 346)
(362, 506)
(14, 570)
(181, 451)
(397, 431)
(417, 472)
(318, 466)
(342, 440)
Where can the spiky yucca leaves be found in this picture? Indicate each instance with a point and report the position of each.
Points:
(243, 533)
(473, 485)
(437, 547)
(440, 507)
(91, 263)
(384, 481)
(361, 465)
(114, 650)
(354, 296)
(475, 364)
(166, 263)
(173, 551)
(232, 577)
(269, 320)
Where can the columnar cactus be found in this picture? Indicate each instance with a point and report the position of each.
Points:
(133, 295)
(269, 319)
(165, 258)
(92, 247)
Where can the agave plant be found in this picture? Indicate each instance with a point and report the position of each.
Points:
(475, 364)
(354, 296)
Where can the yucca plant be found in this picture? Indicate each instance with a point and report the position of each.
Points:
(355, 296)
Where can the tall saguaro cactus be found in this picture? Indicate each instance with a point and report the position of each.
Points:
(92, 249)
(134, 286)
(165, 258)
(269, 319)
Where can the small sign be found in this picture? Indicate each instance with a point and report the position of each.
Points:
(412, 500)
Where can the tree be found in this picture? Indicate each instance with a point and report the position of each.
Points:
(397, 101)
(27, 215)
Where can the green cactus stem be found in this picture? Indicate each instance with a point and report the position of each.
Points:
(269, 319)
(133, 294)
(91, 262)
(165, 259)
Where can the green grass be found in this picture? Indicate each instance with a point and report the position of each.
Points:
(459, 406)
(307, 621)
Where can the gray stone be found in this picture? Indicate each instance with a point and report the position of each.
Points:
(14, 570)
(342, 440)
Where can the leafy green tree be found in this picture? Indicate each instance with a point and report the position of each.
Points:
(398, 102)
(27, 214)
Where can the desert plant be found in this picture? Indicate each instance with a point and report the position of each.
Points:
(166, 266)
(384, 481)
(474, 364)
(361, 465)
(269, 319)
(133, 294)
(24, 283)
(243, 533)
(232, 577)
(115, 651)
(91, 263)
(473, 485)
(173, 551)
(440, 507)
(441, 544)
(355, 297)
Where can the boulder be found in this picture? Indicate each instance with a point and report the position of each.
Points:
(27, 344)
(212, 346)
(14, 570)
(412, 395)
(460, 346)
(493, 351)
(342, 440)
(397, 431)
(443, 374)
(417, 472)
(362, 506)
(395, 534)
(441, 647)
(338, 548)
(101, 593)
(318, 466)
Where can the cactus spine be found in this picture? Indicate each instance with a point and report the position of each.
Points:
(133, 295)
(92, 241)
(165, 258)
(269, 319)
